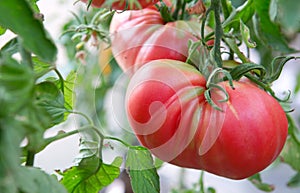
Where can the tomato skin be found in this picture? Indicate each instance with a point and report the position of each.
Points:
(167, 110)
(121, 4)
(138, 37)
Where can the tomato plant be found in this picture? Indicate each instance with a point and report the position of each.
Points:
(123, 4)
(201, 79)
(237, 142)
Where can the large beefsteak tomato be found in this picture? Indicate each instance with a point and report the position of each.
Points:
(138, 37)
(123, 4)
(169, 114)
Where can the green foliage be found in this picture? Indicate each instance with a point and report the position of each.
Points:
(91, 175)
(257, 182)
(16, 85)
(35, 96)
(51, 99)
(142, 172)
(290, 153)
(36, 39)
(294, 181)
(286, 14)
(268, 32)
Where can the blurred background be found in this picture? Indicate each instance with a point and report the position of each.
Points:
(61, 154)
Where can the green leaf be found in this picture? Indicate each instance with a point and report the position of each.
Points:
(276, 67)
(11, 134)
(41, 67)
(286, 14)
(91, 175)
(294, 181)
(11, 47)
(15, 15)
(13, 177)
(240, 70)
(142, 172)
(290, 153)
(246, 35)
(257, 182)
(69, 85)
(33, 5)
(16, 85)
(297, 88)
(51, 99)
(267, 31)
(2, 30)
(243, 13)
(33, 180)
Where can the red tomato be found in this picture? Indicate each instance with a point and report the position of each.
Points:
(138, 37)
(121, 4)
(169, 114)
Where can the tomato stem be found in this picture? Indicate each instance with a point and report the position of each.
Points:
(216, 6)
(177, 9)
(201, 183)
(233, 46)
(225, 9)
(30, 158)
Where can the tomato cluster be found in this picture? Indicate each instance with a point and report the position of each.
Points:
(169, 113)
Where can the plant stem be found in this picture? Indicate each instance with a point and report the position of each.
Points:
(177, 9)
(216, 6)
(182, 10)
(201, 183)
(232, 45)
(119, 140)
(83, 115)
(30, 158)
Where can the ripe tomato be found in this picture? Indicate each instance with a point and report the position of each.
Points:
(121, 4)
(169, 114)
(138, 37)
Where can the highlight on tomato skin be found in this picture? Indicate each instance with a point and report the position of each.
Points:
(169, 114)
(121, 4)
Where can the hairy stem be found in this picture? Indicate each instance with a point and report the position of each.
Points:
(216, 6)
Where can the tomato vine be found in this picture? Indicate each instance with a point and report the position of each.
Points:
(214, 56)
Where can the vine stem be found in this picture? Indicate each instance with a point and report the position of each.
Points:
(216, 6)
(201, 182)
(30, 158)
(83, 115)
(84, 128)
(232, 45)
(81, 129)
(177, 9)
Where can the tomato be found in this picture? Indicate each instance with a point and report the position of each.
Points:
(169, 114)
(138, 37)
(121, 4)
